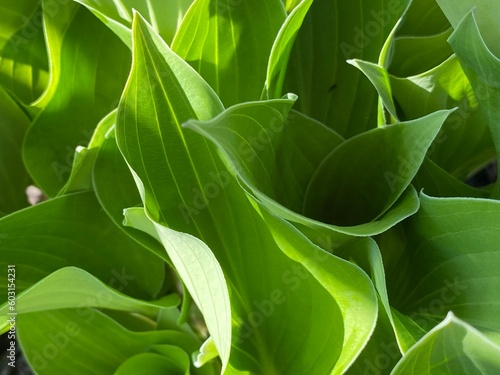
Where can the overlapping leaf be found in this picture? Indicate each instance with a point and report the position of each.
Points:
(224, 40)
(14, 178)
(329, 89)
(73, 231)
(79, 101)
(165, 16)
(170, 164)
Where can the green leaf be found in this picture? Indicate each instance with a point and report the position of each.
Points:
(379, 77)
(417, 54)
(464, 143)
(71, 287)
(423, 18)
(79, 102)
(151, 363)
(359, 310)
(88, 342)
(83, 162)
(225, 40)
(330, 90)
(485, 14)
(73, 231)
(201, 273)
(481, 67)
(269, 155)
(449, 263)
(177, 170)
(438, 183)
(14, 178)
(389, 160)
(280, 53)
(452, 347)
(23, 58)
(165, 16)
(115, 189)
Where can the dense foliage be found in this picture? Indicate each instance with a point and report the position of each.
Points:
(250, 186)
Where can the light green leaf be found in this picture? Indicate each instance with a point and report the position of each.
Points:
(225, 40)
(207, 352)
(178, 171)
(155, 364)
(449, 263)
(387, 159)
(23, 57)
(201, 273)
(379, 77)
(73, 231)
(452, 347)
(481, 67)
(280, 53)
(79, 101)
(269, 155)
(71, 287)
(164, 15)
(464, 143)
(359, 308)
(83, 162)
(14, 178)
(54, 341)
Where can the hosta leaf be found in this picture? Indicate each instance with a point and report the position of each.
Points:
(280, 53)
(23, 58)
(14, 17)
(481, 66)
(152, 363)
(186, 187)
(389, 160)
(451, 347)
(379, 77)
(89, 342)
(71, 287)
(438, 183)
(164, 15)
(115, 189)
(423, 18)
(79, 101)
(266, 154)
(330, 90)
(485, 12)
(464, 142)
(449, 263)
(224, 40)
(83, 163)
(331, 272)
(14, 178)
(203, 277)
(415, 55)
(73, 231)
